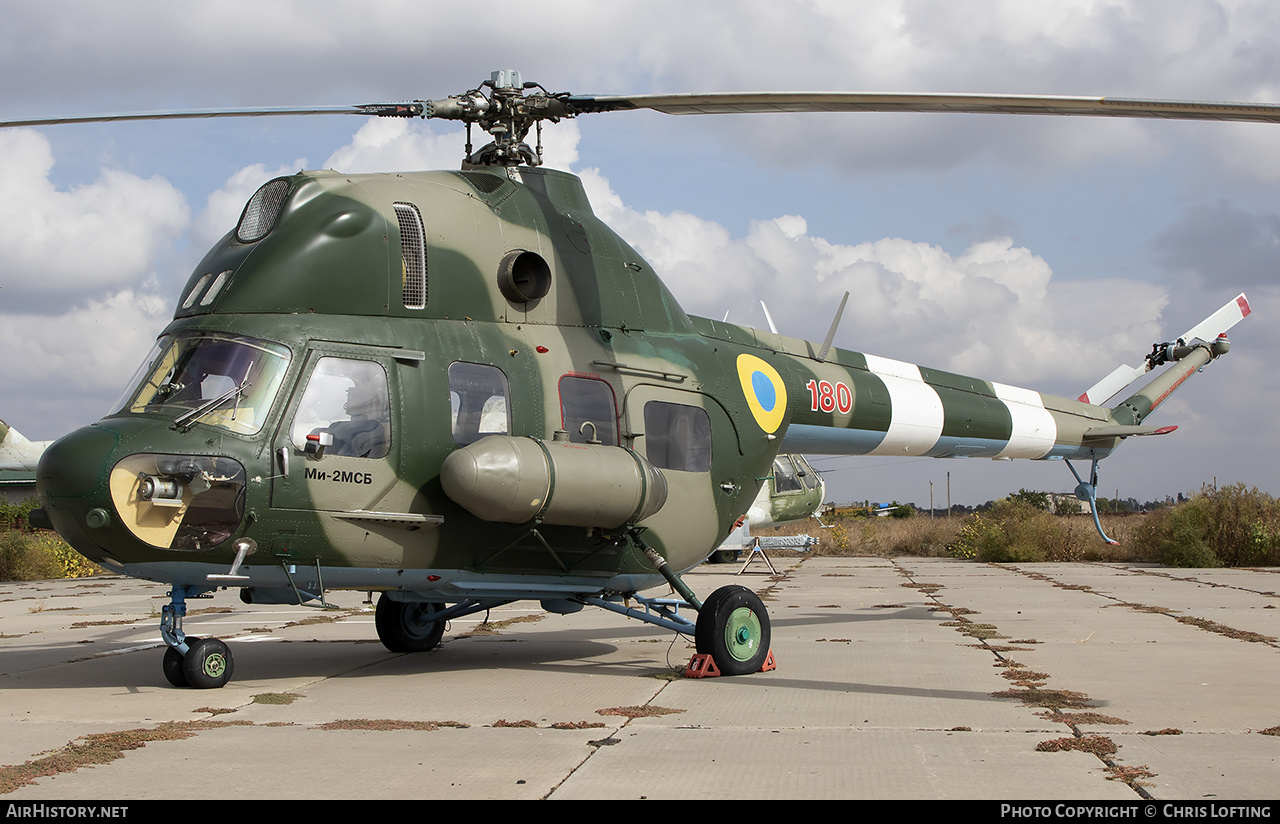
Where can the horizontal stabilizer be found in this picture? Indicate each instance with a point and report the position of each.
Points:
(1207, 330)
(1126, 431)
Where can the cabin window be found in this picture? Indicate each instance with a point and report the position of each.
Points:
(477, 402)
(587, 410)
(413, 256)
(216, 287)
(677, 436)
(348, 400)
(195, 291)
(807, 475)
(785, 479)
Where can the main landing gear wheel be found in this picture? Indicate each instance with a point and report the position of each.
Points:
(733, 628)
(406, 626)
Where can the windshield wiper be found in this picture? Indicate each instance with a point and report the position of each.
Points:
(199, 411)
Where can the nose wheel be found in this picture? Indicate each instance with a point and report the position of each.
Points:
(202, 663)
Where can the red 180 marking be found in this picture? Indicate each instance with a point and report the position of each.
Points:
(825, 397)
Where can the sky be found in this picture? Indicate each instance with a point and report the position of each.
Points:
(1035, 251)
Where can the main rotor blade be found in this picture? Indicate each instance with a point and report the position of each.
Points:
(762, 102)
(412, 109)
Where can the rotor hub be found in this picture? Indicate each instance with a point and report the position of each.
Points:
(507, 108)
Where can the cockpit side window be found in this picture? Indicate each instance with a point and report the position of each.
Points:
(784, 476)
(348, 400)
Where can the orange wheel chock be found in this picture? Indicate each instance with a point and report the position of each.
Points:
(702, 665)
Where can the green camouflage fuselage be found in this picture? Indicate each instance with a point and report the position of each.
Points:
(500, 290)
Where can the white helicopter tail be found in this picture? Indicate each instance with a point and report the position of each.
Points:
(18, 453)
(1207, 330)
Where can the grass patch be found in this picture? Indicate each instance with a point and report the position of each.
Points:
(276, 697)
(638, 712)
(1228, 526)
(495, 627)
(1049, 699)
(1075, 718)
(100, 748)
(40, 556)
(1129, 775)
(1098, 745)
(388, 725)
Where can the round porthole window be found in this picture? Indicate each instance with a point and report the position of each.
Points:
(524, 276)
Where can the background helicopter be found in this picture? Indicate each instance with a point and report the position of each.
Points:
(463, 388)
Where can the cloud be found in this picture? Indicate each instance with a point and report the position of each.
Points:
(393, 144)
(993, 311)
(1222, 243)
(730, 209)
(78, 242)
(223, 208)
(67, 373)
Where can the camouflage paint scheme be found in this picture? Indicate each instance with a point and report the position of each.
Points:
(327, 279)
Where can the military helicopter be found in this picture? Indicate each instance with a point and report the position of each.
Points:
(460, 389)
(793, 492)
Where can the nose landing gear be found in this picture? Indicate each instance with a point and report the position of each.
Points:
(203, 663)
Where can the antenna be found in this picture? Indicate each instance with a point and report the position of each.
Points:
(768, 317)
(831, 334)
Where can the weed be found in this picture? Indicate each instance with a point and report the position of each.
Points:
(494, 627)
(637, 712)
(387, 724)
(1129, 775)
(1226, 526)
(1075, 718)
(100, 748)
(36, 556)
(1097, 744)
(1050, 699)
(276, 697)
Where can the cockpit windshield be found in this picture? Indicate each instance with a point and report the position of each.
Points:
(212, 378)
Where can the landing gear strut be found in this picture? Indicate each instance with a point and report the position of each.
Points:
(203, 663)
(1088, 492)
(733, 625)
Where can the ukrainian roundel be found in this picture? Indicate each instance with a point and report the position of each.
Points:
(762, 386)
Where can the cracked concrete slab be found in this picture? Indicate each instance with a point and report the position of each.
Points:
(896, 678)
